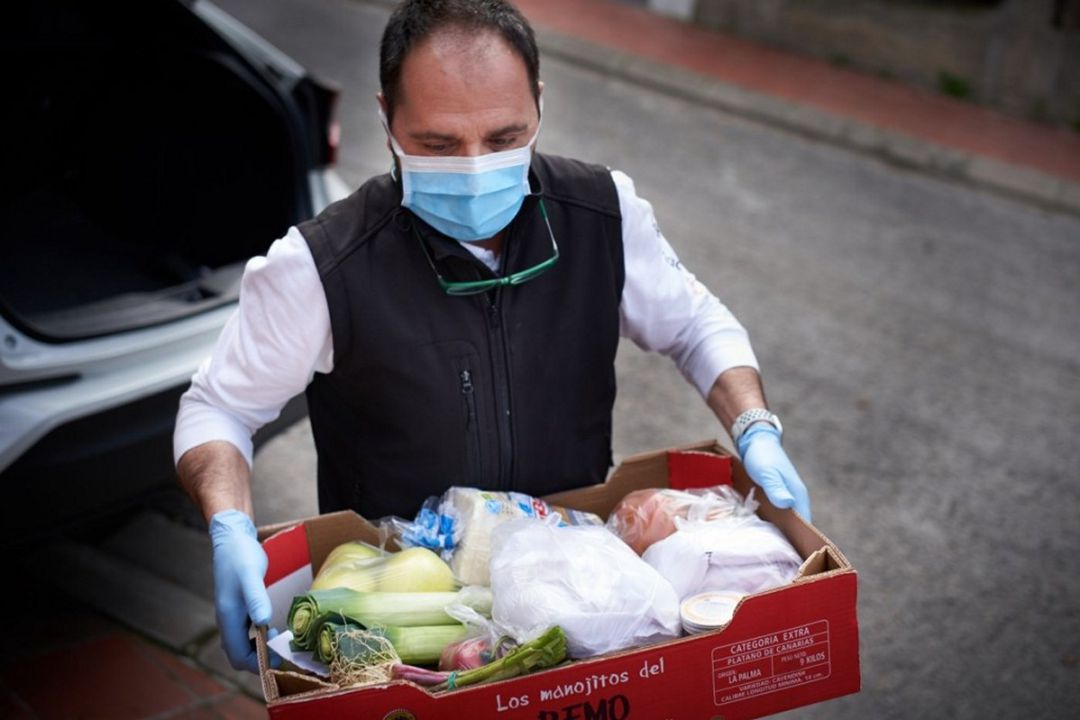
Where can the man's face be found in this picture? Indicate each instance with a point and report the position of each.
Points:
(463, 95)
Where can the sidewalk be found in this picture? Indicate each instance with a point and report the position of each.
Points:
(896, 122)
(122, 628)
(60, 661)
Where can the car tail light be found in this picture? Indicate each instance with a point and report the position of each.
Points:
(333, 138)
(327, 127)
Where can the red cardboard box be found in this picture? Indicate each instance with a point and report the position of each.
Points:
(792, 646)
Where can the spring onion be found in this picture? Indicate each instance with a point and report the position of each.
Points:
(545, 651)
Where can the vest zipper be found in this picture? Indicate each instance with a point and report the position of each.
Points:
(473, 474)
(501, 364)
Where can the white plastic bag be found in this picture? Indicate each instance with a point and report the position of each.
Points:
(583, 579)
(738, 553)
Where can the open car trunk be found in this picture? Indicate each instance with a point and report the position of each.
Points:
(145, 161)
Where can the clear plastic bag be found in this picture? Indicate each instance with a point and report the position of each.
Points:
(430, 528)
(583, 579)
(735, 552)
(459, 525)
(485, 642)
(647, 516)
(363, 568)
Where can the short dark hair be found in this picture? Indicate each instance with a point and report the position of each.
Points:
(413, 21)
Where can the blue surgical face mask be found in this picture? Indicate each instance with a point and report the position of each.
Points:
(466, 198)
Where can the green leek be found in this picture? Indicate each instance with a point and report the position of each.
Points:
(328, 635)
(376, 609)
(422, 645)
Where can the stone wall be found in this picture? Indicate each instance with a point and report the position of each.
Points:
(1021, 56)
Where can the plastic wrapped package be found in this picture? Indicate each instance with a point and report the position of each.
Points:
(647, 516)
(459, 526)
(738, 553)
(430, 528)
(583, 579)
(360, 567)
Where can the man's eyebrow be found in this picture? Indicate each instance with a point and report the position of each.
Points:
(432, 135)
(428, 135)
(509, 129)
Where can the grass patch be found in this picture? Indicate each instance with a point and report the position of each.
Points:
(954, 86)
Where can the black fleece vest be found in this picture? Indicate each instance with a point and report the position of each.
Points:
(511, 389)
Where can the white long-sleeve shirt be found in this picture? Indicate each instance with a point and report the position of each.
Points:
(279, 337)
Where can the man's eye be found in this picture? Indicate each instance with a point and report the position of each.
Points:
(502, 142)
(437, 148)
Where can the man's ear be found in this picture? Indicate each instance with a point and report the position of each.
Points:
(382, 106)
(539, 95)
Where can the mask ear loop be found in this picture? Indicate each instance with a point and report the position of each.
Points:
(395, 149)
(393, 141)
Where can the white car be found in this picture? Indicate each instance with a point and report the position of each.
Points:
(150, 149)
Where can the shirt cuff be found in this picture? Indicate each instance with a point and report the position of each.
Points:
(715, 355)
(199, 423)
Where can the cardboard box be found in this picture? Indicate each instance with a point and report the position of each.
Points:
(788, 647)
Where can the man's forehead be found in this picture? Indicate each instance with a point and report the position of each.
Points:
(459, 60)
(468, 44)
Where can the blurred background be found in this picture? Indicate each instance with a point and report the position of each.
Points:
(1015, 56)
(887, 195)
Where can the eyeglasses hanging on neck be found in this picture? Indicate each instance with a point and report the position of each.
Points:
(474, 287)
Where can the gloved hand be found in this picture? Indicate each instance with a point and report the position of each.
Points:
(239, 593)
(767, 465)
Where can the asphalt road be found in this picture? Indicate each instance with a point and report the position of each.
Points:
(920, 340)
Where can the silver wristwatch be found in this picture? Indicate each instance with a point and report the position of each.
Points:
(747, 418)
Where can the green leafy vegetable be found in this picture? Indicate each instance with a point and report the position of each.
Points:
(545, 651)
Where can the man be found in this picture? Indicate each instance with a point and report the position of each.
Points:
(455, 321)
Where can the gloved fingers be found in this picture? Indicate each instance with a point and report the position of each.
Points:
(797, 489)
(256, 599)
(239, 593)
(769, 466)
(238, 645)
(775, 488)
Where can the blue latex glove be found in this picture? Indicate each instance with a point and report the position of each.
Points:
(239, 593)
(767, 465)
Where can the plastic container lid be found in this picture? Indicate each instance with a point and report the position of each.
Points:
(708, 610)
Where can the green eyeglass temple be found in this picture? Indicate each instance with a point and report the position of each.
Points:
(475, 287)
